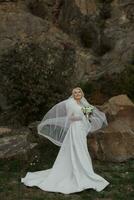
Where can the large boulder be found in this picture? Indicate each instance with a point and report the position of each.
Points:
(15, 143)
(116, 142)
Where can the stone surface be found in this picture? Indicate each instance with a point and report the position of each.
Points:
(106, 27)
(86, 7)
(15, 142)
(115, 142)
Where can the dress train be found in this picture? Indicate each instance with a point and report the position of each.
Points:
(72, 170)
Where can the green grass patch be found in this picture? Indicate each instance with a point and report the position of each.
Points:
(120, 176)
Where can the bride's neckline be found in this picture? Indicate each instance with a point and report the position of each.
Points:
(79, 104)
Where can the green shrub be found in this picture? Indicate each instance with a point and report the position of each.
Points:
(33, 78)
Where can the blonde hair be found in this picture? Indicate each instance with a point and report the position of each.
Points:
(77, 88)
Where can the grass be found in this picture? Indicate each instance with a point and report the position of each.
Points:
(120, 176)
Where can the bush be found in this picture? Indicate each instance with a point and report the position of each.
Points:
(32, 78)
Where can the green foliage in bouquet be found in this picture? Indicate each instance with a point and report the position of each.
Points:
(87, 110)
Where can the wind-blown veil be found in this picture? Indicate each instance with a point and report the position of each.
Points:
(57, 120)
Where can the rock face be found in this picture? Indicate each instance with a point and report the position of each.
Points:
(34, 58)
(49, 46)
(14, 143)
(116, 142)
(86, 7)
(107, 28)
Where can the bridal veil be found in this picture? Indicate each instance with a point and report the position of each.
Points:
(57, 120)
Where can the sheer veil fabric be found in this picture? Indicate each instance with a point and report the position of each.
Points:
(66, 126)
(56, 122)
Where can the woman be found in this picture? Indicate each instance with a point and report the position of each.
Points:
(67, 126)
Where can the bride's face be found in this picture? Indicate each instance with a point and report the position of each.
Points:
(77, 94)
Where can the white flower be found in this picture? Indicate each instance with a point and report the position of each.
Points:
(87, 110)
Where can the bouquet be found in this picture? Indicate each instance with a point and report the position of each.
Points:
(88, 111)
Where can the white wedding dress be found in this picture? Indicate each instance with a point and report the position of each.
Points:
(72, 170)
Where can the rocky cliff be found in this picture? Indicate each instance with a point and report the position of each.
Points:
(49, 46)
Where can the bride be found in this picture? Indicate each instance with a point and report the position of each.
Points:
(67, 126)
